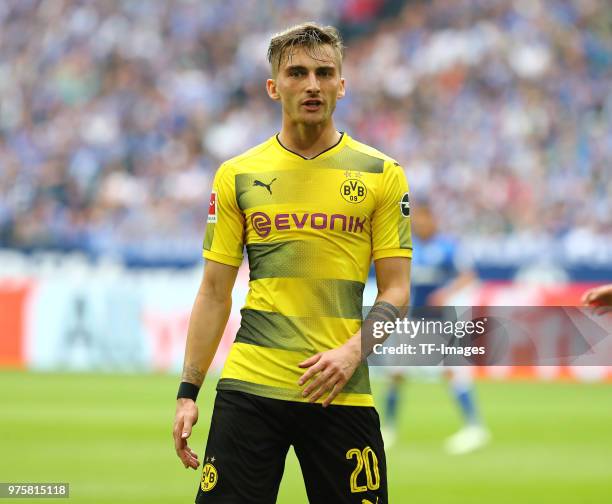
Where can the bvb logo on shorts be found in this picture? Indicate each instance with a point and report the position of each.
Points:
(209, 477)
(353, 190)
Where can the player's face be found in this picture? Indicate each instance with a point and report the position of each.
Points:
(308, 88)
(423, 223)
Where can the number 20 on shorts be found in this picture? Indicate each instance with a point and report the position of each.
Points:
(367, 461)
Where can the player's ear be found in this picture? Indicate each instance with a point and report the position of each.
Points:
(341, 89)
(272, 90)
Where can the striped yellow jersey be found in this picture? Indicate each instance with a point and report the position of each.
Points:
(311, 228)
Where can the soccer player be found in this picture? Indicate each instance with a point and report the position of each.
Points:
(313, 208)
(436, 276)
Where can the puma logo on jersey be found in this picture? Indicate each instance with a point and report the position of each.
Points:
(261, 184)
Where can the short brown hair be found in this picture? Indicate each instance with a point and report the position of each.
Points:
(309, 35)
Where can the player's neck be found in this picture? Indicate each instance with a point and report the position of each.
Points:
(309, 140)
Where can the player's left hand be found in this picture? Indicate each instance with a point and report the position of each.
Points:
(329, 372)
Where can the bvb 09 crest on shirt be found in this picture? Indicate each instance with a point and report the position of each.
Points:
(353, 190)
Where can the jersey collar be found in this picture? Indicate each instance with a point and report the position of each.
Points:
(327, 152)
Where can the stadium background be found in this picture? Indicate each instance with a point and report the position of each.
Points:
(113, 119)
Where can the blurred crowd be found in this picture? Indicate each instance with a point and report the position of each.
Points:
(115, 115)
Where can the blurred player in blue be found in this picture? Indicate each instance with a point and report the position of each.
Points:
(437, 275)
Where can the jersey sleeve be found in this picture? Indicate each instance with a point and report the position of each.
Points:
(224, 238)
(391, 235)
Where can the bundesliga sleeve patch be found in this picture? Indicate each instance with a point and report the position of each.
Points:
(212, 208)
(405, 205)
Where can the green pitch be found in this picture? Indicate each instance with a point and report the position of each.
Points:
(110, 438)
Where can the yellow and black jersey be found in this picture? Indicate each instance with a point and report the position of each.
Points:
(311, 228)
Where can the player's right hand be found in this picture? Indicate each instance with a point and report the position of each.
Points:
(186, 417)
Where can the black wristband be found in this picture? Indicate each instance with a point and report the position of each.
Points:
(188, 391)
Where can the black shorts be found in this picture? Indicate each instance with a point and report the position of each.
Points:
(340, 450)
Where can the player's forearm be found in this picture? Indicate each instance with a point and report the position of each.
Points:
(394, 297)
(390, 304)
(206, 325)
